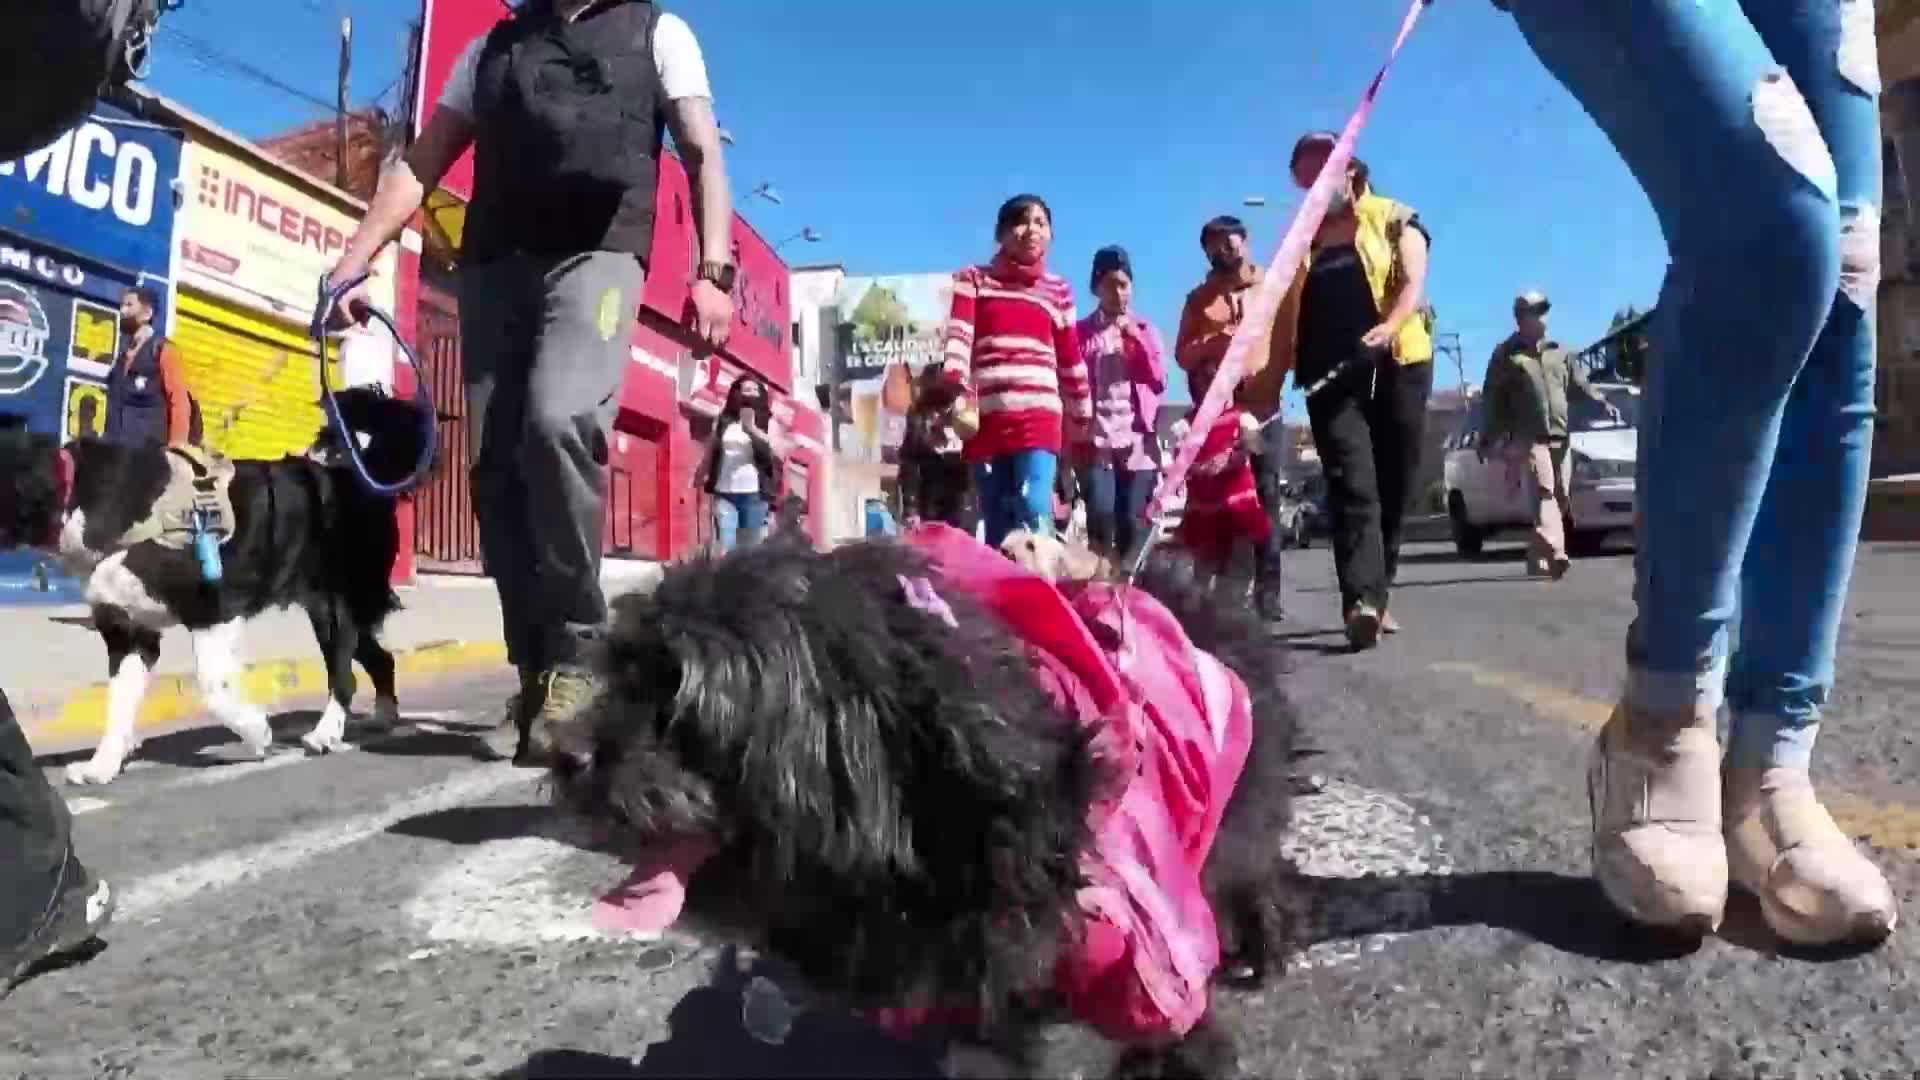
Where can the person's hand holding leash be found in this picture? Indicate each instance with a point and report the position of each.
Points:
(1380, 336)
(351, 308)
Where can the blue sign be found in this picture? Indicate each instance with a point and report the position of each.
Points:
(103, 191)
(59, 335)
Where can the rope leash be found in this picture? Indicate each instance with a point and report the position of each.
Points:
(330, 296)
(1264, 305)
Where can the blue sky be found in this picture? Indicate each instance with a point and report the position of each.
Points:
(896, 129)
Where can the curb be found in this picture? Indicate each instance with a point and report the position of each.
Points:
(76, 719)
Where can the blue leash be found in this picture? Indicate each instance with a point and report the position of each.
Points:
(330, 295)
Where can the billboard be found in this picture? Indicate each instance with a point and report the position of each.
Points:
(248, 235)
(59, 334)
(891, 326)
(103, 191)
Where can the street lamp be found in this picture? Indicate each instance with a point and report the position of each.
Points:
(766, 191)
(726, 137)
(808, 235)
(1257, 202)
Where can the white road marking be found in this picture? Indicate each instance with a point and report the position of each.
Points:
(502, 895)
(1350, 832)
(505, 894)
(148, 897)
(85, 805)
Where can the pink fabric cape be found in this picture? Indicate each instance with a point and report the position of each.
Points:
(1179, 724)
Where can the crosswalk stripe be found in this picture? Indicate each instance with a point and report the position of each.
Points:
(148, 897)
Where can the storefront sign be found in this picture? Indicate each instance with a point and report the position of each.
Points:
(256, 238)
(59, 334)
(104, 190)
(897, 319)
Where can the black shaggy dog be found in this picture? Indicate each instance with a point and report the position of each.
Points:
(305, 533)
(897, 809)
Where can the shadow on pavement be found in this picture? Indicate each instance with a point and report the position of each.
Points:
(464, 826)
(706, 1038)
(1566, 913)
(1514, 554)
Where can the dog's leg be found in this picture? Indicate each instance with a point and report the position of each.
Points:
(339, 639)
(378, 663)
(132, 652)
(1206, 1053)
(216, 660)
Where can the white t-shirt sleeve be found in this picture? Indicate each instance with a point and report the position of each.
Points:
(457, 94)
(677, 57)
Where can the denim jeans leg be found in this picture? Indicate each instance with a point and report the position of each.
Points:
(1103, 505)
(726, 524)
(1797, 569)
(1719, 136)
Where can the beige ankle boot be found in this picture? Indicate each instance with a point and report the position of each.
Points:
(1815, 886)
(1654, 789)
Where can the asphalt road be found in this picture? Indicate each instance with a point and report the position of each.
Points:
(404, 911)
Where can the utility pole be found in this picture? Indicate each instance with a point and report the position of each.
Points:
(340, 104)
(1449, 345)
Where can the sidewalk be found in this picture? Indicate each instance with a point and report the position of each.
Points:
(53, 667)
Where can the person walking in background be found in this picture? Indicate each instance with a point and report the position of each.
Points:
(566, 104)
(1126, 361)
(1755, 131)
(147, 398)
(1212, 313)
(1223, 511)
(1529, 380)
(935, 483)
(740, 471)
(1013, 352)
(1353, 330)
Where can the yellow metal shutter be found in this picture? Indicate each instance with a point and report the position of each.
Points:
(254, 376)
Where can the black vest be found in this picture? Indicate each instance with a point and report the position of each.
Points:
(136, 405)
(569, 119)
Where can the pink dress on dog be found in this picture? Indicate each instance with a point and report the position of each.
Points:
(1178, 724)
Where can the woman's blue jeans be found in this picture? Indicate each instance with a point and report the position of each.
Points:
(738, 519)
(1016, 492)
(1753, 127)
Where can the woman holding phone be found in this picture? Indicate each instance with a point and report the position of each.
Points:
(741, 471)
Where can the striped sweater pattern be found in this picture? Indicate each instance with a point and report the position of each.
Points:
(1013, 346)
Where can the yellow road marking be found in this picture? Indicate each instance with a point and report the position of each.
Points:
(1892, 826)
(173, 699)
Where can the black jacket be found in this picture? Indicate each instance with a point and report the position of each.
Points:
(765, 462)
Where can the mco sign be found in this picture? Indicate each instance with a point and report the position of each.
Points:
(104, 190)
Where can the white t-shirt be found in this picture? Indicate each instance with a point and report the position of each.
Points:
(735, 473)
(676, 58)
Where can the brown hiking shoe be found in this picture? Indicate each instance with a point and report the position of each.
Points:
(563, 692)
(1363, 627)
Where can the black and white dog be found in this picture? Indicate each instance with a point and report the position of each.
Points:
(305, 533)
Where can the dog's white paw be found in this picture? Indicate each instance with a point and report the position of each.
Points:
(98, 770)
(256, 735)
(386, 715)
(325, 742)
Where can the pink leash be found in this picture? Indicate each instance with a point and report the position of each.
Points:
(1265, 303)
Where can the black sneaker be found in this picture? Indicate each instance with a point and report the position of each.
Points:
(507, 739)
(1266, 602)
(80, 911)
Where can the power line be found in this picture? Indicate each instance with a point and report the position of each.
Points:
(210, 56)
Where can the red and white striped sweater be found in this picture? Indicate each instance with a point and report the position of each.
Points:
(1012, 345)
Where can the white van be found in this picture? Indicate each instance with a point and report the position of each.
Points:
(1488, 498)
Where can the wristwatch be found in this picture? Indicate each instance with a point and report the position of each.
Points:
(719, 273)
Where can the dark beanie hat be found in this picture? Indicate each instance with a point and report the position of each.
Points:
(1108, 260)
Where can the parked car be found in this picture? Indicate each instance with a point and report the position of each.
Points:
(1486, 498)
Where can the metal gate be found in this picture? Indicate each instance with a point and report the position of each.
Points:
(446, 534)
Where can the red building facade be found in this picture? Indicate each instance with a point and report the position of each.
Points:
(672, 389)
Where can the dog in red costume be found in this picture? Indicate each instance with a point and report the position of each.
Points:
(949, 791)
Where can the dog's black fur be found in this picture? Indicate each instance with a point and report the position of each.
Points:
(306, 533)
(901, 808)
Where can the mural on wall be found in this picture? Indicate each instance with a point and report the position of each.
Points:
(891, 327)
(81, 220)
